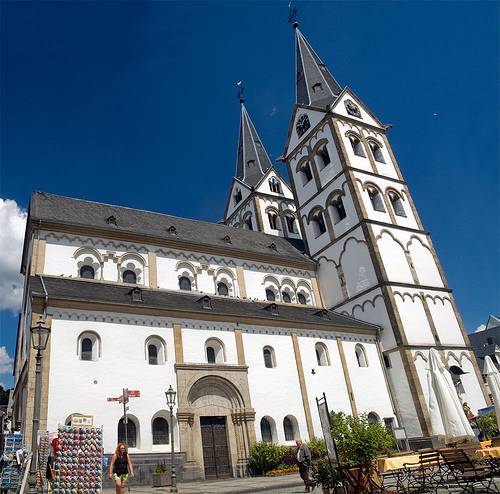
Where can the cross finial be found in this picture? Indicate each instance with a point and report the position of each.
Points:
(240, 91)
(292, 15)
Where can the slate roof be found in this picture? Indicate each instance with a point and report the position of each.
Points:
(81, 213)
(250, 148)
(189, 302)
(310, 71)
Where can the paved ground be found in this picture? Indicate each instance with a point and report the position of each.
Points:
(289, 484)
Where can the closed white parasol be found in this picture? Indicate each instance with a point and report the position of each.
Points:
(493, 378)
(448, 420)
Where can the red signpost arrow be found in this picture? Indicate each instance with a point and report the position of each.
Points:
(124, 398)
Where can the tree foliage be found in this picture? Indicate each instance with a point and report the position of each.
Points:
(359, 441)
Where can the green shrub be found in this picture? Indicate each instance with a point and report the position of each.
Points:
(488, 425)
(317, 447)
(264, 457)
(288, 455)
(359, 441)
(160, 468)
(325, 475)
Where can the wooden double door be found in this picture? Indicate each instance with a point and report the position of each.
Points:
(215, 450)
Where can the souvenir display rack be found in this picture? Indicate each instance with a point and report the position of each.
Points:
(11, 471)
(43, 458)
(78, 462)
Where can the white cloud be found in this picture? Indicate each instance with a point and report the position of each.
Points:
(5, 361)
(273, 111)
(12, 225)
(482, 327)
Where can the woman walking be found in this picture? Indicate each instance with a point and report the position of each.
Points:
(120, 468)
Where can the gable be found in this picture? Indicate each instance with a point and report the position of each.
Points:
(348, 100)
(231, 206)
(264, 187)
(309, 118)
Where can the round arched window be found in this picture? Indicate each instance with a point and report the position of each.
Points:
(160, 431)
(185, 283)
(86, 350)
(87, 272)
(301, 298)
(129, 276)
(286, 297)
(270, 295)
(222, 289)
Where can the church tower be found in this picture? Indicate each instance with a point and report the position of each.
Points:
(376, 261)
(260, 198)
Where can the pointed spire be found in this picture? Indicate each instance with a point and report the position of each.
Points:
(315, 85)
(252, 160)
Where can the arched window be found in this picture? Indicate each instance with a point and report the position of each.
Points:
(89, 346)
(273, 220)
(185, 283)
(301, 298)
(274, 186)
(377, 152)
(266, 431)
(361, 356)
(160, 431)
(357, 146)
(285, 296)
(290, 428)
(322, 354)
(318, 223)
(397, 204)
(248, 223)
(87, 272)
(337, 209)
(305, 173)
(86, 349)
(376, 199)
(129, 276)
(373, 418)
(237, 196)
(270, 295)
(152, 354)
(222, 289)
(323, 157)
(214, 351)
(290, 223)
(131, 432)
(269, 360)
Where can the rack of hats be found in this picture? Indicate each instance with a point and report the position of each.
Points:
(12, 470)
(78, 463)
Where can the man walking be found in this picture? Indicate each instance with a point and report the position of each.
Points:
(304, 461)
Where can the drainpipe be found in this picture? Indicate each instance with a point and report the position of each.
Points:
(46, 297)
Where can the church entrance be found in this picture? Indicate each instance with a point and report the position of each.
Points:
(214, 444)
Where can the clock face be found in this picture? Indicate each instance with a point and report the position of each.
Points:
(352, 108)
(302, 125)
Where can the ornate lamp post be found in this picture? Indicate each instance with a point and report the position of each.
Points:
(39, 339)
(170, 394)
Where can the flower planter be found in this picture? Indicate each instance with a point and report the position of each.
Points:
(161, 479)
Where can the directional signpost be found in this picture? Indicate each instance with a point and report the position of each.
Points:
(124, 398)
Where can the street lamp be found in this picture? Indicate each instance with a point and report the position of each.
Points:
(39, 339)
(170, 394)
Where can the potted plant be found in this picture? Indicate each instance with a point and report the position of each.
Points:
(160, 476)
(359, 442)
(326, 476)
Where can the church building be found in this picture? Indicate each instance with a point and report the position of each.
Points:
(328, 283)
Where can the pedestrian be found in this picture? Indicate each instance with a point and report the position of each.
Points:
(120, 468)
(304, 461)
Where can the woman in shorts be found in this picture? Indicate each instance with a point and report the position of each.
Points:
(120, 468)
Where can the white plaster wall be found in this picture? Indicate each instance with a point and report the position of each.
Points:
(294, 139)
(414, 320)
(446, 323)
(265, 188)
(340, 109)
(193, 341)
(276, 391)
(77, 386)
(329, 283)
(394, 259)
(368, 383)
(424, 263)
(387, 168)
(245, 192)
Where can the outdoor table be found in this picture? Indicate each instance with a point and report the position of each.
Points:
(396, 462)
(486, 452)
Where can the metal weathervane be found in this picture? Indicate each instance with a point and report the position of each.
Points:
(241, 89)
(292, 13)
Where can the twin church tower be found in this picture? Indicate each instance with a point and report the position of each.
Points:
(350, 205)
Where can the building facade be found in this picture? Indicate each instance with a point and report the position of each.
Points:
(328, 285)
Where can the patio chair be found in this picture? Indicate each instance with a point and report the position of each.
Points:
(427, 475)
(466, 473)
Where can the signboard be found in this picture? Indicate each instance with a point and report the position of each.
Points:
(127, 393)
(78, 420)
(324, 417)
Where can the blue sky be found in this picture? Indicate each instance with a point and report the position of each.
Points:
(134, 103)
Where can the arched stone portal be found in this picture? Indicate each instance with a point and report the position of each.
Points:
(214, 396)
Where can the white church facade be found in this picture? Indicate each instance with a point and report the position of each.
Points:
(329, 284)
